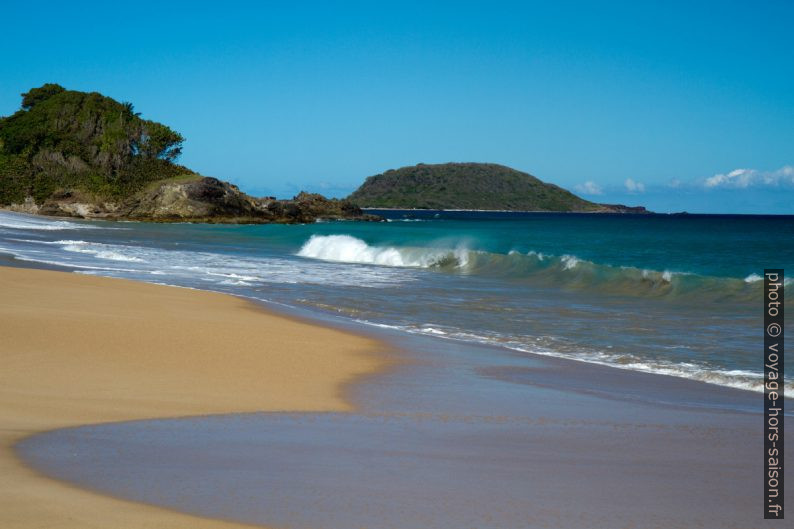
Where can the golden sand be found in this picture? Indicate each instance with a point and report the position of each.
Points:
(78, 350)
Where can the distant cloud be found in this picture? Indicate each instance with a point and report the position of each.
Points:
(738, 180)
(634, 187)
(589, 188)
(744, 178)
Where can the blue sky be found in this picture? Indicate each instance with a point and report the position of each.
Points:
(673, 105)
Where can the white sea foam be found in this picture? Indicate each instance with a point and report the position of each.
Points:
(433, 331)
(207, 267)
(532, 253)
(348, 249)
(735, 378)
(110, 252)
(753, 278)
(569, 261)
(18, 221)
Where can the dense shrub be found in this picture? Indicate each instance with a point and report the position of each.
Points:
(65, 139)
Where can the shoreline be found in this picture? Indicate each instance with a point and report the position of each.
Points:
(116, 350)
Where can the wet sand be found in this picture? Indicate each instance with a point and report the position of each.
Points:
(79, 350)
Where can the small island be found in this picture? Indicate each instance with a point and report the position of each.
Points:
(472, 186)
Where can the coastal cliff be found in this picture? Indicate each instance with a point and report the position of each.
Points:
(80, 154)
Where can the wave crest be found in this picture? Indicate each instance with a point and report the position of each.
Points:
(349, 249)
(99, 250)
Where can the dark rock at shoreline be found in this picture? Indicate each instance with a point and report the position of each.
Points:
(196, 199)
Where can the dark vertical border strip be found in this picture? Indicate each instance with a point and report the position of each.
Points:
(773, 394)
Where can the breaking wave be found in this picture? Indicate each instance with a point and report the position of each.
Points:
(348, 249)
(565, 271)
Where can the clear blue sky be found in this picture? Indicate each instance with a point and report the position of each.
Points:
(654, 103)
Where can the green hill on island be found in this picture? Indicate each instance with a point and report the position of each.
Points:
(82, 154)
(469, 186)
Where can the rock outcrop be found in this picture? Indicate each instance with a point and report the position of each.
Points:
(200, 198)
(196, 199)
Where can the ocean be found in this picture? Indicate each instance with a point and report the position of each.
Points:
(666, 294)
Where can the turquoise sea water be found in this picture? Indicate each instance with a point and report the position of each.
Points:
(677, 295)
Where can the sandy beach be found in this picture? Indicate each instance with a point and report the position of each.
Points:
(80, 350)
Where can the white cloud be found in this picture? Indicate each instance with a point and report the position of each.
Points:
(589, 188)
(634, 187)
(744, 178)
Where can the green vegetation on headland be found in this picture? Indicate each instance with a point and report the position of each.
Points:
(83, 154)
(470, 186)
(62, 139)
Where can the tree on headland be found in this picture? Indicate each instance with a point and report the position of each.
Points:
(159, 141)
(64, 139)
(130, 108)
(42, 93)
